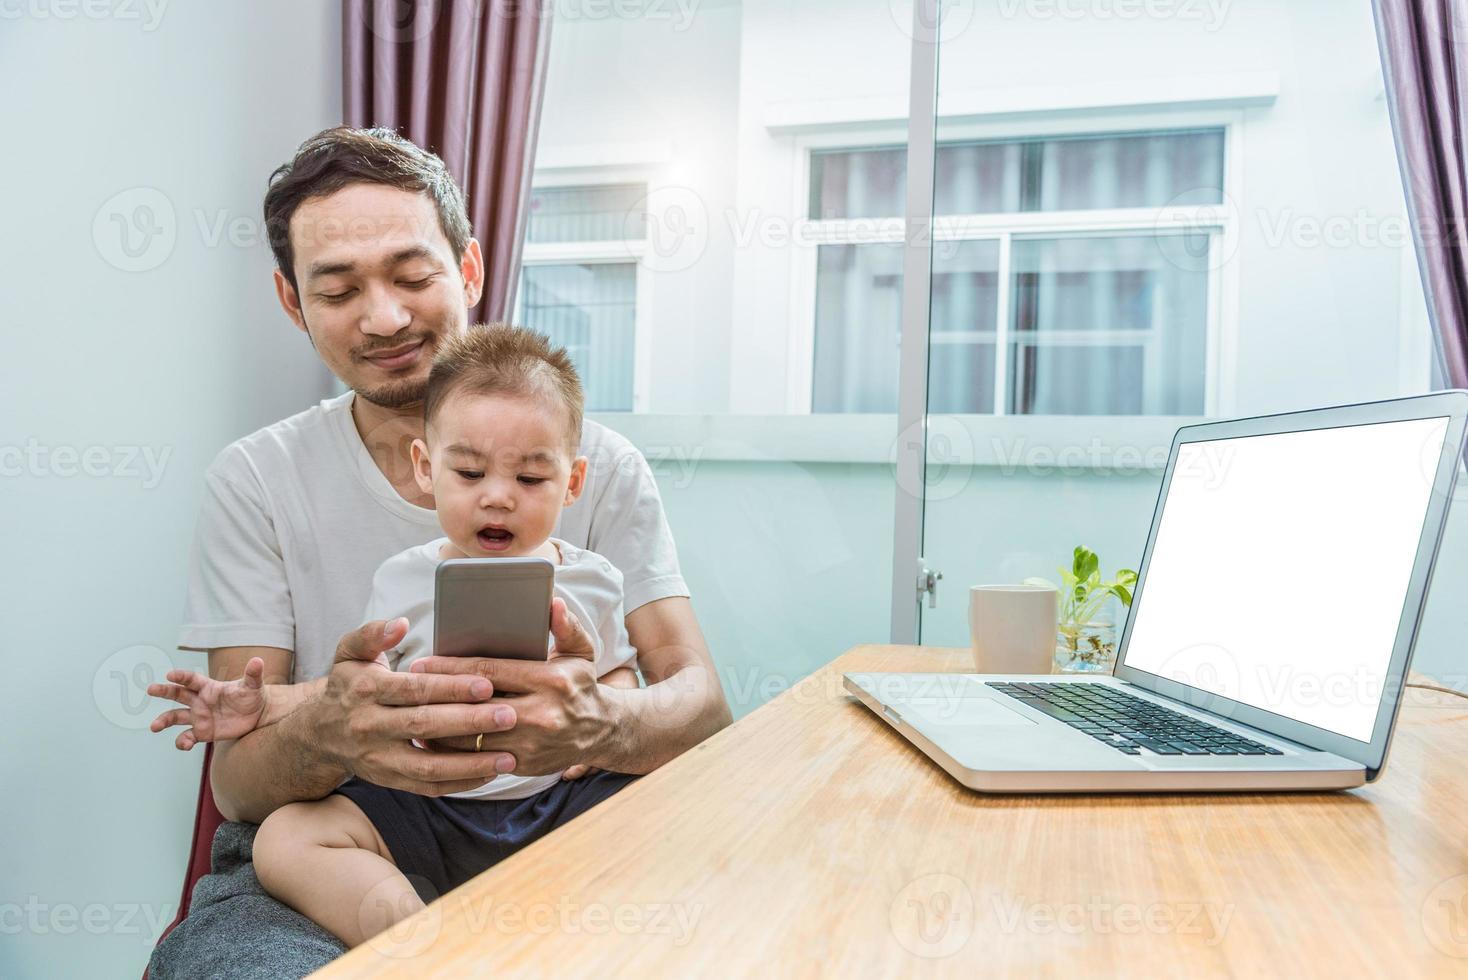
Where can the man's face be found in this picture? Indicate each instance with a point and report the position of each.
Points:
(500, 472)
(378, 288)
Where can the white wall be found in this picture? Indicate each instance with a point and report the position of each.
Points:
(660, 111)
(194, 107)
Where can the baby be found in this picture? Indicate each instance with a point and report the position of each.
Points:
(503, 427)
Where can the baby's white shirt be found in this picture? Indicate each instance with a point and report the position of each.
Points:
(591, 587)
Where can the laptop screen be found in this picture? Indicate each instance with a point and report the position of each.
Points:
(1280, 566)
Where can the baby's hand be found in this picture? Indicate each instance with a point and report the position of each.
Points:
(216, 710)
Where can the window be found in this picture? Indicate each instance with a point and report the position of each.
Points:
(1062, 285)
(579, 283)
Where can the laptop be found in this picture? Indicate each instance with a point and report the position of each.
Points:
(1271, 628)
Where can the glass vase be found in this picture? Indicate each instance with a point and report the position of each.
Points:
(1085, 648)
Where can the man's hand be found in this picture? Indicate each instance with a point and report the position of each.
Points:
(367, 717)
(559, 713)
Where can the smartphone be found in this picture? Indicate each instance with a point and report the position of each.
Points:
(493, 607)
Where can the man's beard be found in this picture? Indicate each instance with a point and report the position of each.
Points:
(402, 394)
(395, 394)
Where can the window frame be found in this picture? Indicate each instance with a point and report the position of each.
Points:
(1223, 221)
(617, 251)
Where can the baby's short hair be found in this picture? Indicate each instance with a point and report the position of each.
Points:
(499, 359)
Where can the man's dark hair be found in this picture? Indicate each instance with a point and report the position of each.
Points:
(342, 156)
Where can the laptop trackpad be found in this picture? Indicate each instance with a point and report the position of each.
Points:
(961, 712)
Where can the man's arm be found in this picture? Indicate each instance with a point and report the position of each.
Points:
(683, 703)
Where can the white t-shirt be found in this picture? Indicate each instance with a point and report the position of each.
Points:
(297, 518)
(592, 588)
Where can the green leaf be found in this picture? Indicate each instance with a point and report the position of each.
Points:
(1086, 563)
(1126, 577)
(1122, 593)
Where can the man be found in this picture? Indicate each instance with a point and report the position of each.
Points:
(377, 267)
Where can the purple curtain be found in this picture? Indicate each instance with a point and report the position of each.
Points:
(1426, 67)
(462, 78)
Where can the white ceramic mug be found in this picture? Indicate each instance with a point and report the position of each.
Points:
(1012, 628)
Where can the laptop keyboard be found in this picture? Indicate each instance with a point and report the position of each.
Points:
(1129, 724)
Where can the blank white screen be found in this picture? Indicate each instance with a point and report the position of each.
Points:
(1281, 564)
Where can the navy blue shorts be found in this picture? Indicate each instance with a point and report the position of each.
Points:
(441, 842)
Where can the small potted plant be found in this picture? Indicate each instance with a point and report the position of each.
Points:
(1085, 637)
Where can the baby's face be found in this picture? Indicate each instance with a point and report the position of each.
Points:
(499, 471)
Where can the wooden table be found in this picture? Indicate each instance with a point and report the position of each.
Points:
(810, 839)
